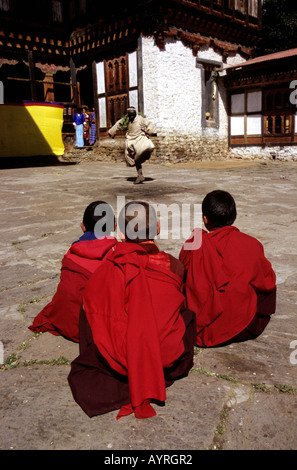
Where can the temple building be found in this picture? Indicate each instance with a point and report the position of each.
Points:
(262, 102)
(187, 65)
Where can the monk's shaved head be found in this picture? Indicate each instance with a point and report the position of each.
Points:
(99, 217)
(138, 221)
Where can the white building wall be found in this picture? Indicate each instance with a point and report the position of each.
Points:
(171, 87)
(282, 153)
(173, 96)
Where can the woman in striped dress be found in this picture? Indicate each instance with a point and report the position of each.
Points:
(92, 138)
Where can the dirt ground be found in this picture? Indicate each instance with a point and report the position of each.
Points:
(239, 397)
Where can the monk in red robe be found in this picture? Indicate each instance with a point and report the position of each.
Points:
(135, 338)
(229, 283)
(61, 315)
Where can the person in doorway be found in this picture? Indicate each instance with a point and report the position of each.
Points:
(61, 316)
(78, 122)
(135, 336)
(139, 146)
(229, 283)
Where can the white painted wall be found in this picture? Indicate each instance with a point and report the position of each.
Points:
(172, 88)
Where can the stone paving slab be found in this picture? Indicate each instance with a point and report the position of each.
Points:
(239, 397)
(40, 397)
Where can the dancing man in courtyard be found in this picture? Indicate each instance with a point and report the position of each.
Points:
(139, 146)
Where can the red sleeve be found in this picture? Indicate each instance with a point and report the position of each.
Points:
(61, 315)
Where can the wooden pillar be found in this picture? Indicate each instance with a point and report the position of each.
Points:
(232, 7)
(259, 14)
(140, 76)
(74, 82)
(32, 76)
(49, 94)
(246, 5)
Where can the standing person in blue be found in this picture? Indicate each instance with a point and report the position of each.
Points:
(78, 122)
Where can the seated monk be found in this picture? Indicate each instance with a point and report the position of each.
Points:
(135, 338)
(229, 283)
(61, 315)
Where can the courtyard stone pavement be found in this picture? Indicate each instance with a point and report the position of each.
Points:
(237, 397)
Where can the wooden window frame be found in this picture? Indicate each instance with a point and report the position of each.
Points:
(267, 115)
(244, 139)
(116, 98)
(106, 93)
(285, 112)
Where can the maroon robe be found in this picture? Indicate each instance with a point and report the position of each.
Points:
(134, 339)
(230, 285)
(61, 315)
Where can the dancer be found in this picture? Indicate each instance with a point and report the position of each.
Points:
(139, 146)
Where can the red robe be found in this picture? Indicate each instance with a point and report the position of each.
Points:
(135, 332)
(230, 285)
(61, 315)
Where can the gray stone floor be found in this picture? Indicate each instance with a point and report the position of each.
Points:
(240, 397)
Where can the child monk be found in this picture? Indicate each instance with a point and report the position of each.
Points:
(61, 315)
(135, 339)
(230, 285)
